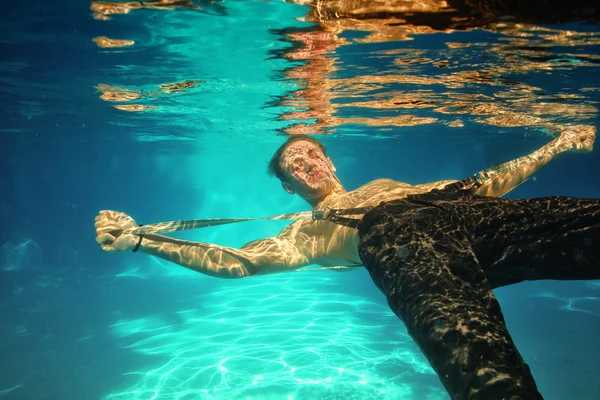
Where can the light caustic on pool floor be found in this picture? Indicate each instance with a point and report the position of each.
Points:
(278, 337)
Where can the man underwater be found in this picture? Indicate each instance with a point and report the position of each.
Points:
(435, 250)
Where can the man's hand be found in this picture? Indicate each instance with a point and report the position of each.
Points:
(578, 138)
(109, 231)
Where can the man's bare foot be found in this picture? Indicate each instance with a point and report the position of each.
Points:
(579, 138)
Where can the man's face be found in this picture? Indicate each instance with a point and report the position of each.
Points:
(308, 171)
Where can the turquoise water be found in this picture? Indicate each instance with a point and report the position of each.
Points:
(203, 98)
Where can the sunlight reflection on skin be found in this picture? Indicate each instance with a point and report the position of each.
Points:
(307, 172)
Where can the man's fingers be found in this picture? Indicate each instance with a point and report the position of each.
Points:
(113, 216)
(109, 228)
(103, 226)
(102, 223)
(105, 239)
(106, 213)
(101, 217)
(104, 216)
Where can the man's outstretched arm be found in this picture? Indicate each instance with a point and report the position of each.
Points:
(505, 177)
(292, 249)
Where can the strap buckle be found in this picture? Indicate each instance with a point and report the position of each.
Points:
(323, 215)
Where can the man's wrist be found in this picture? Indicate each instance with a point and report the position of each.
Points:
(138, 244)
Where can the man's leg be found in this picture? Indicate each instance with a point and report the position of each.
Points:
(530, 239)
(419, 255)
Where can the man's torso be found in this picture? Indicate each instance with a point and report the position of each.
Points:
(336, 245)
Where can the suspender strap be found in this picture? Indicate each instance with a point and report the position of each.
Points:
(335, 216)
(328, 214)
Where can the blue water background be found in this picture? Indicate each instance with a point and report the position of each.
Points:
(78, 323)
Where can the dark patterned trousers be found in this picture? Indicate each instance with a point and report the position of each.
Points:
(437, 258)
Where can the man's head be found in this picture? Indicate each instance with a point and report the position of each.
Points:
(302, 166)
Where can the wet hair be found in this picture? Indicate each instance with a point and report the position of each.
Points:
(274, 168)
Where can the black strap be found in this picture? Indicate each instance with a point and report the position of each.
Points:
(334, 216)
(464, 187)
